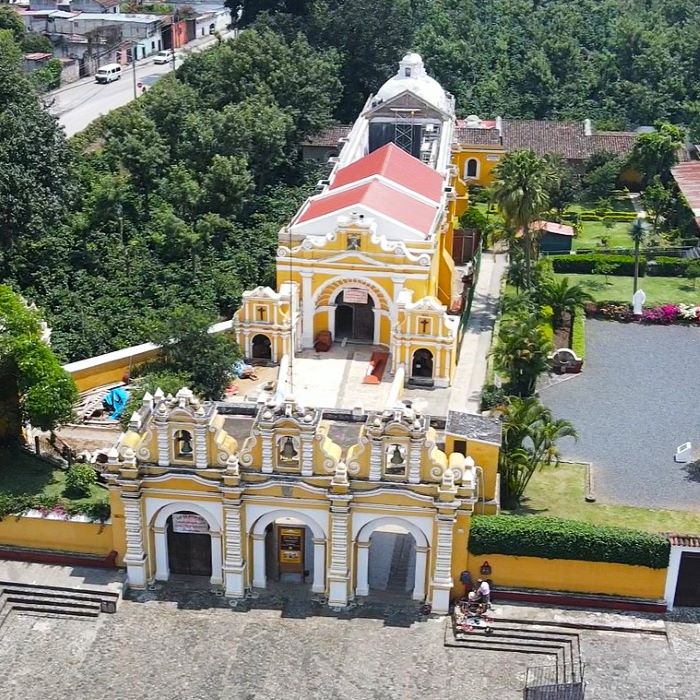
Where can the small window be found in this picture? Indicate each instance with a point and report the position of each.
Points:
(460, 446)
(183, 444)
(407, 72)
(472, 169)
(395, 460)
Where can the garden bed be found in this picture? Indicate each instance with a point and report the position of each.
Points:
(662, 315)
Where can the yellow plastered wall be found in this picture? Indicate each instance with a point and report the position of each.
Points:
(57, 535)
(460, 540)
(118, 525)
(484, 455)
(574, 576)
(485, 175)
(110, 372)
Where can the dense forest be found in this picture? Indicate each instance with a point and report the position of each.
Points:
(177, 198)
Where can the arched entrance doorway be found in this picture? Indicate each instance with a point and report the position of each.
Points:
(189, 544)
(261, 347)
(289, 547)
(422, 365)
(391, 558)
(354, 316)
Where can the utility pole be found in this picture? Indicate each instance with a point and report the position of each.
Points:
(173, 32)
(133, 61)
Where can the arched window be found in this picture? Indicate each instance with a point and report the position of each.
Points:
(471, 170)
(183, 444)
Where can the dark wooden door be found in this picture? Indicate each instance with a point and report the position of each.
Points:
(344, 322)
(189, 553)
(363, 323)
(688, 584)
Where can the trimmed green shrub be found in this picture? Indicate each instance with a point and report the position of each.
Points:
(79, 480)
(556, 538)
(664, 266)
(584, 264)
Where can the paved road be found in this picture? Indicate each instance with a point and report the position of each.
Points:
(634, 403)
(77, 105)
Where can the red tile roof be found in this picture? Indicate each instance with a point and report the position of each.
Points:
(477, 136)
(396, 165)
(551, 227)
(687, 177)
(377, 196)
(328, 137)
(684, 540)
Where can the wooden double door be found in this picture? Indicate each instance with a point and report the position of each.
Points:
(189, 552)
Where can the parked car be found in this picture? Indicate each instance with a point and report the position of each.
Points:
(108, 73)
(163, 56)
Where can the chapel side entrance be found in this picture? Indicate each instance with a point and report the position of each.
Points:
(688, 583)
(354, 316)
(189, 545)
(392, 562)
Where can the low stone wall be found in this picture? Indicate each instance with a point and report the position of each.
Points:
(590, 577)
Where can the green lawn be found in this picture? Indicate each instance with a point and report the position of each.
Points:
(559, 492)
(659, 290)
(592, 233)
(22, 473)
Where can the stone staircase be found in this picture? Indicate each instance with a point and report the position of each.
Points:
(55, 601)
(558, 649)
(400, 559)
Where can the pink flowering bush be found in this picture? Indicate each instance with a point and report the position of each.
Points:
(663, 315)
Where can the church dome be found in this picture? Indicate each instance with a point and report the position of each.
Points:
(412, 76)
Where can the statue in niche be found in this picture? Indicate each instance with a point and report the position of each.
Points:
(353, 241)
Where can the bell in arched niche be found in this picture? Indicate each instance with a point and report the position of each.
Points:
(183, 444)
(288, 453)
(396, 463)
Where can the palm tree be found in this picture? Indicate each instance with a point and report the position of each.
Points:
(530, 436)
(521, 353)
(562, 296)
(637, 232)
(521, 192)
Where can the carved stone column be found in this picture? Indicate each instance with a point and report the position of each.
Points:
(339, 571)
(267, 447)
(442, 566)
(234, 564)
(200, 433)
(414, 462)
(307, 454)
(135, 558)
(375, 460)
(307, 306)
(163, 440)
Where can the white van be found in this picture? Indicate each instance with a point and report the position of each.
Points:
(108, 73)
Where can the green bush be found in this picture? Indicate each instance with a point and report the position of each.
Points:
(584, 264)
(578, 344)
(556, 538)
(670, 267)
(79, 480)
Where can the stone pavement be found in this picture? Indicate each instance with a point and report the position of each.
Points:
(183, 643)
(63, 576)
(473, 357)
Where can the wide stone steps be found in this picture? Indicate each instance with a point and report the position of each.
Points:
(560, 647)
(55, 600)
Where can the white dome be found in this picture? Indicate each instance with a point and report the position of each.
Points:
(411, 76)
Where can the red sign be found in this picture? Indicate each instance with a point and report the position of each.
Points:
(353, 295)
(189, 522)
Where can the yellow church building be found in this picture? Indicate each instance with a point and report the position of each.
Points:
(368, 258)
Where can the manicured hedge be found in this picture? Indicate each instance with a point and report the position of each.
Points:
(671, 267)
(556, 538)
(584, 264)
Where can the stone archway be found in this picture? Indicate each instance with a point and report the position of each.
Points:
(258, 533)
(422, 364)
(362, 542)
(261, 347)
(353, 320)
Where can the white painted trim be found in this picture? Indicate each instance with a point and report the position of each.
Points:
(674, 566)
(364, 526)
(466, 165)
(258, 517)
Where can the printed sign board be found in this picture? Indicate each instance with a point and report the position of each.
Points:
(189, 522)
(291, 548)
(353, 295)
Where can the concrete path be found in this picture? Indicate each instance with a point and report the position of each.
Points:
(29, 573)
(471, 366)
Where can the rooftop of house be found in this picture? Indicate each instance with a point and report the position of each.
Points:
(476, 427)
(687, 177)
(552, 227)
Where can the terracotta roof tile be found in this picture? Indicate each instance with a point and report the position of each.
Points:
(684, 540)
(328, 137)
(477, 136)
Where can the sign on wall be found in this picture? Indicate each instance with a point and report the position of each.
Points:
(354, 295)
(190, 522)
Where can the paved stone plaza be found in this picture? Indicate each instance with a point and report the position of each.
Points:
(195, 646)
(634, 403)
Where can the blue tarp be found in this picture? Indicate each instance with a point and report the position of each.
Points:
(115, 401)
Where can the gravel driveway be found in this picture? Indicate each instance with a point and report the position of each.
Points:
(635, 402)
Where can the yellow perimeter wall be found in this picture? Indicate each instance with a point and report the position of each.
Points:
(57, 535)
(568, 575)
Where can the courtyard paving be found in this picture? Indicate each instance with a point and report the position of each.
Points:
(634, 403)
(192, 645)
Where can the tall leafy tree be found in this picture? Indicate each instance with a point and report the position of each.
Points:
(638, 231)
(562, 296)
(656, 152)
(521, 191)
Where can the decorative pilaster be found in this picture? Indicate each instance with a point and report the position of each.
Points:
(362, 587)
(442, 571)
(163, 444)
(234, 565)
(259, 577)
(162, 565)
(375, 461)
(319, 582)
(307, 455)
(339, 572)
(414, 462)
(135, 558)
(307, 305)
(200, 437)
(266, 438)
